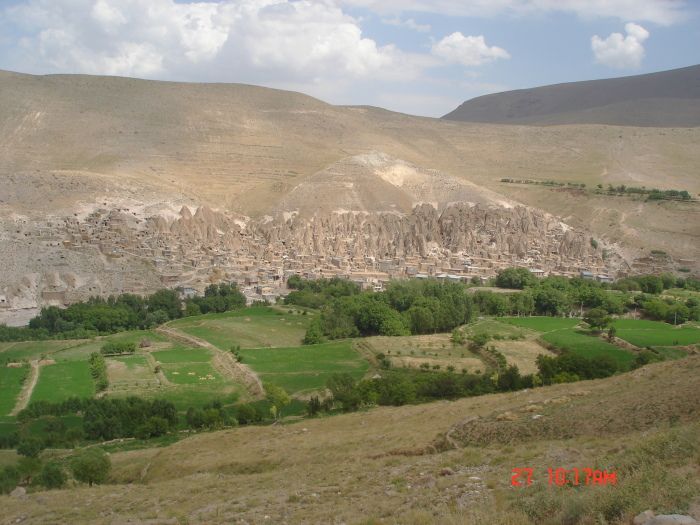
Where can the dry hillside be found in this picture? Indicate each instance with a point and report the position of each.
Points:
(445, 462)
(74, 140)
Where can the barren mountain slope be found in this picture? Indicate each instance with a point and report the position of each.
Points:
(444, 462)
(664, 99)
(83, 148)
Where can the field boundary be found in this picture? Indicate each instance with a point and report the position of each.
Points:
(222, 361)
(27, 388)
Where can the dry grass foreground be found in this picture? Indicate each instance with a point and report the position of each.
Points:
(383, 466)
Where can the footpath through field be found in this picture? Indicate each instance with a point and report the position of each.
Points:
(27, 388)
(224, 362)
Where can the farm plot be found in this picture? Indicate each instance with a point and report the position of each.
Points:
(130, 373)
(522, 354)
(191, 374)
(542, 324)
(11, 380)
(588, 346)
(643, 333)
(413, 351)
(83, 350)
(28, 350)
(250, 328)
(303, 369)
(62, 380)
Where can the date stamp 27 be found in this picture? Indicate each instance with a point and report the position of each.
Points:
(561, 477)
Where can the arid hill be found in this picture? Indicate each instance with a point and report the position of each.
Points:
(88, 163)
(663, 99)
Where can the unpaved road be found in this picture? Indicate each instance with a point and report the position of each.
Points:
(27, 388)
(224, 362)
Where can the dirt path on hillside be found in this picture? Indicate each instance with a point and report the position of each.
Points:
(224, 362)
(27, 388)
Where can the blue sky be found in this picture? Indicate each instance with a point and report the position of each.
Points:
(417, 56)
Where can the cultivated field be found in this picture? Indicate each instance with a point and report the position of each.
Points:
(413, 351)
(11, 380)
(62, 380)
(250, 328)
(654, 333)
(300, 370)
(588, 346)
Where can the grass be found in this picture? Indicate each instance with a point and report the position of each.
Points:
(588, 346)
(654, 333)
(191, 374)
(183, 355)
(542, 324)
(671, 352)
(63, 380)
(305, 368)
(28, 350)
(11, 380)
(412, 351)
(250, 328)
(81, 351)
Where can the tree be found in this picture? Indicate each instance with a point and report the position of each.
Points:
(9, 478)
(518, 278)
(166, 300)
(479, 340)
(314, 334)
(314, 406)
(597, 318)
(278, 397)
(91, 466)
(344, 391)
(52, 475)
(30, 447)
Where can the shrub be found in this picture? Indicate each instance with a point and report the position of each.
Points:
(52, 475)
(91, 466)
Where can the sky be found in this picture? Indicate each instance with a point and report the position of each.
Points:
(423, 57)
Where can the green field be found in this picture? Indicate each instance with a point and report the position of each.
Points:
(305, 368)
(28, 350)
(542, 324)
(654, 333)
(183, 355)
(250, 328)
(191, 374)
(63, 380)
(10, 386)
(588, 346)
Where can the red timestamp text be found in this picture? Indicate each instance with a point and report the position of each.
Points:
(561, 477)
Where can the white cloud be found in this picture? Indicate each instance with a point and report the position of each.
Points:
(410, 23)
(618, 51)
(236, 39)
(467, 50)
(664, 12)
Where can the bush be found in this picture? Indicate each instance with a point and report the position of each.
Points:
(9, 478)
(30, 447)
(118, 348)
(91, 466)
(52, 475)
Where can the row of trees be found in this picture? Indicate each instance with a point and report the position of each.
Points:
(406, 307)
(98, 371)
(89, 466)
(123, 312)
(118, 348)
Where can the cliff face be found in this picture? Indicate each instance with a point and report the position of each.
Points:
(113, 251)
